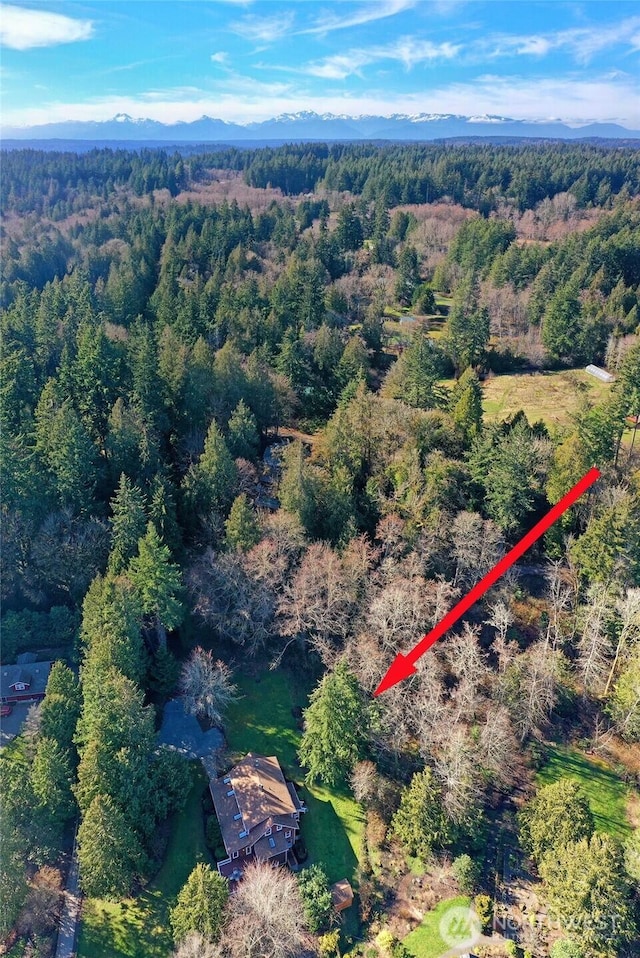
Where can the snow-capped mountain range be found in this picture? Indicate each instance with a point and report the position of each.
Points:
(314, 126)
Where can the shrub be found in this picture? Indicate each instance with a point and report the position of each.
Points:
(483, 905)
(465, 871)
(328, 944)
(316, 898)
(214, 837)
(376, 831)
(565, 948)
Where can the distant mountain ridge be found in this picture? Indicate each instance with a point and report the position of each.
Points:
(314, 126)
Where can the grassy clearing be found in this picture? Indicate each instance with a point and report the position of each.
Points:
(607, 794)
(552, 397)
(139, 927)
(426, 940)
(262, 721)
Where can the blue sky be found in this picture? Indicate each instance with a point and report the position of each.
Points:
(242, 60)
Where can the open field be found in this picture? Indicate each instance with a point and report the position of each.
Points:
(426, 940)
(550, 396)
(607, 794)
(139, 927)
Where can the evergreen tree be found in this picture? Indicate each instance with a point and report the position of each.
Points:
(163, 511)
(67, 451)
(210, 484)
(558, 814)
(609, 549)
(200, 906)
(127, 525)
(13, 875)
(164, 670)
(110, 856)
(467, 329)
(354, 362)
(414, 377)
(51, 777)
(408, 275)
(585, 882)
(111, 627)
(504, 461)
(337, 725)
(299, 487)
(420, 822)
(625, 698)
(561, 325)
(60, 708)
(117, 744)
(243, 438)
(316, 898)
(242, 527)
(466, 405)
(158, 582)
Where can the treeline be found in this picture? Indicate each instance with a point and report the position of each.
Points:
(475, 176)
(57, 184)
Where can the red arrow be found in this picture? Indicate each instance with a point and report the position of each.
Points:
(404, 665)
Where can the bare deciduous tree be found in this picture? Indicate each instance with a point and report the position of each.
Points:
(477, 545)
(320, 602)
(497, 747)
(628, 609)
(238, 605)
(595, 646)
(206, 686)
(195, 946)
(266, 918)
(537, 672)
(456, 766)
(500, 619)
(469, 664)
(364, 782)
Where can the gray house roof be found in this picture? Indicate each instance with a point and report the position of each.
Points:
(35, 676)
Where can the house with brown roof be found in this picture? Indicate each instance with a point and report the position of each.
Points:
(23, 683)
(258, 812)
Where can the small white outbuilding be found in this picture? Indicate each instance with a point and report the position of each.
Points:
(600, 374)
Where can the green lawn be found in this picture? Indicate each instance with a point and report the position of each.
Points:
(606, 792)
(550, 396)
(262, 721)
(426, 940)
(139, 928)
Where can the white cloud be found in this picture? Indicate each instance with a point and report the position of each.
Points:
(410, 51)
(22, 29)
(263, 29)
(582, 43)
(406, 50)
(338, 67)
(366, 13)
(220, 57)
(243, 99)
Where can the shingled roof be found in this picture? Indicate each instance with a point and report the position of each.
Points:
(251, 801)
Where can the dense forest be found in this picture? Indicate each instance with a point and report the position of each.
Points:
(168, 322)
